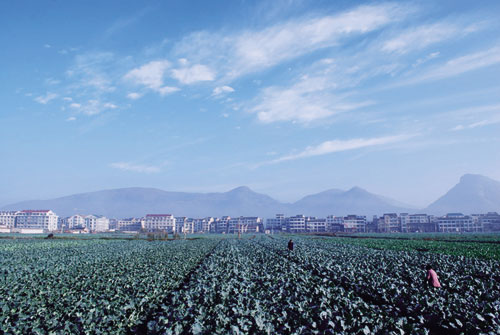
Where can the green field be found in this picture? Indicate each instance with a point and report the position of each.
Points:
(224, 285)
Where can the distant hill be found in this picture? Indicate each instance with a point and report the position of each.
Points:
(136, 202)
(473, 194)
(354, 201)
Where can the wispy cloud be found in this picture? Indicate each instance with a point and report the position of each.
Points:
(45, 99)
(310, 99)
(459, 65)
(127, 166)
(329, 147)
(254, 50)
(192, 74)
(219, 90)
(492, 117)
(134, 95)
(416, 38)
(152, 76)
(92, 107)
(91, 70)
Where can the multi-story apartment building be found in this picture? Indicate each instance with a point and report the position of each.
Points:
(222, 224)
(315, 225)
(404, 220)
(276, 224)
(421, 223)
(159, 222)
(355, 223)
(188, 227)
(130, 224)
(458, 222)
(179, 223)
(296, 224)
(208, 225)
(490, 221)
(96, 223)
(389, 223)
(8, 219)
(245, 224)
(334, 223)
(76, 221)
(45, 220)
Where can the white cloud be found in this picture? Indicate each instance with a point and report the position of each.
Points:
(52, 81)
(109, 105)
(495, 119)
(91, 70)
(193, 74)
(44, 99)
(167, 90)
(92, 107)
(310, 99)
(134, 95)
(68, 99)
(222, 89)
(333, 146)
(71, 118)
(152, 76)
(249, 51)
(421, 37)
(425, 59)
(459, 65)
(135, 167)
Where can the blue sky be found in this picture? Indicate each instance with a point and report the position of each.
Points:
(287, 97)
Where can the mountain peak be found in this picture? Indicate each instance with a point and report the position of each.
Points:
(469, 177)
(241, 189)
(357, 189)
(473, 194)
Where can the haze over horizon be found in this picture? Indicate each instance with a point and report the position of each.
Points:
(288, 98)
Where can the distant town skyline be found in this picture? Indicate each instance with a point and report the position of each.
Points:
(289, 98)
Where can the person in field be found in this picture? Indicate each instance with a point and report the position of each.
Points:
(432, 277)
(290, 245)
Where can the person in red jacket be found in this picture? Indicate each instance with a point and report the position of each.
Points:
(432, 277)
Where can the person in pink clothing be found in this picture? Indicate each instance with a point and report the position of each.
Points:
(432, 277)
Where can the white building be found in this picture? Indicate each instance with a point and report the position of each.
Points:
(276, 224)
(355, 223)
(130, 224)
(296, 224)
(245, 224)
(221, 225)
(457, 222)
(159, 222)
(188, 227)
(389, 223)
(315, 225)
(334, 223)
(96, 223)
(39, 220)
(8, 219)
(76, 221)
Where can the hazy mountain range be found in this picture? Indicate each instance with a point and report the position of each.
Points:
(473, 194)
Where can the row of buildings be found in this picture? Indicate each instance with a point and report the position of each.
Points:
(41, 221)
(387, 223)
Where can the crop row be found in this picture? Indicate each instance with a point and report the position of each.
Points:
(394, 281)
(485, 249)
(88, 286)
(244, 288)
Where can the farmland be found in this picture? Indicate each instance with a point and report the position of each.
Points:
(225, 285)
